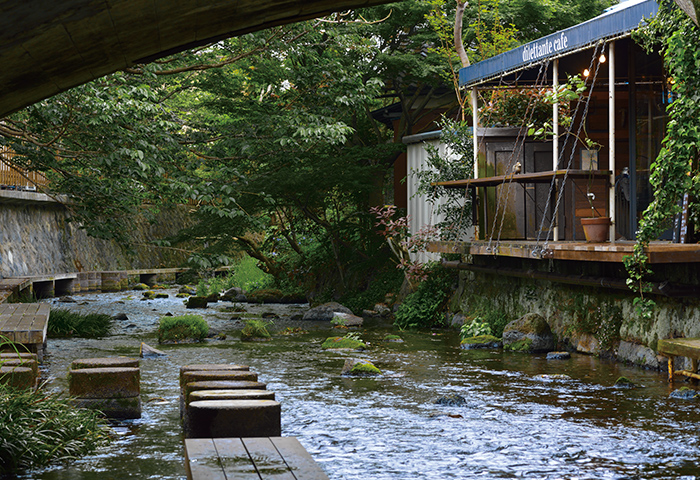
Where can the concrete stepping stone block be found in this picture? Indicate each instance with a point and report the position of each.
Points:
(109, 362)
(27, 355)
(122, 408)
(204, 367)
(203, 375)
(199, 395)
(21, 362)
(216, 385)
(17, 377)
(113, 382)
(233, 418)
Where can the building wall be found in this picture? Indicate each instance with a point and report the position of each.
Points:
(37, 239)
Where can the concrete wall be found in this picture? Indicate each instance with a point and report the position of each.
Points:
(595, 320)
(37, 239)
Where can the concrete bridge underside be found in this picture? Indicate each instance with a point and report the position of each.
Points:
(48, 46)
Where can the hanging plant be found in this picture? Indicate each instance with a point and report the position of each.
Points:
(675, 171)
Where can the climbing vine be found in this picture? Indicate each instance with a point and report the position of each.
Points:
(675, 172)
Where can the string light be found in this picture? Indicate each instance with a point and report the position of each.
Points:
(586, 73)
(602, 58)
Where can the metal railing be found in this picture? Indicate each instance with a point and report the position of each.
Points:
(12, 178)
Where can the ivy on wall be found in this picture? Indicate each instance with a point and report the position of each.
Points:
(675, 171)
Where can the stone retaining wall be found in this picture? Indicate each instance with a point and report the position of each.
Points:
(37, 239)
(595, 320)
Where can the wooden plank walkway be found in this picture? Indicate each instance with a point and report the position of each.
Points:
(25, 323)
(261, 458)
(681, 347)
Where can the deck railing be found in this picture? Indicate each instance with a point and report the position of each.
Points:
(18, 179)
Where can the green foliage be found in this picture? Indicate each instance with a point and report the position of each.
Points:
(456, 163)
(387, 280)
(65, 323)
(675, 171)
(182, 328)
(248, 276)
(256, 328)
(425, 307)
(476, 328)
(202, 288)
(38, 428)
(591, 315)
(524, 345)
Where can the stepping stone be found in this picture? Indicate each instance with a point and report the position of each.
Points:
(118, 382)
(109, 362)
(21, 362)
(27, 355)
(17, 377)
(199, 395)
(122, 408)
(203, 375)
(204, 367)
(233, 418)
(222, 385)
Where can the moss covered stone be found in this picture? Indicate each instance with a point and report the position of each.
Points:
(196, 302)
(343, 343)
(359, 367)
(481, 341)
(523, 345)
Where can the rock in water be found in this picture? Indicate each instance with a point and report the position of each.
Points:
(326, 311)
(684, 393)
(529, 333)
(558, 356)
(148, 351)
(452, 400)
(357, 367)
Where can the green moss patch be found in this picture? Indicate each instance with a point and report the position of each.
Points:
(524, 345)
(481, 341)
(343, 343)
(365, 369)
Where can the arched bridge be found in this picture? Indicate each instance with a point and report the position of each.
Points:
(48, 46)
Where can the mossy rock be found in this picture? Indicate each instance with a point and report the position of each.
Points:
(267, 295)
(685, 393)
(148, 295)
(141, 286)
(213, 298)
(532, 327)
(162, 295)
(343, 343)
(481, 341)
(182, 295)
(196, 302)
(392, 339)
(359, 368)
(523, 345)
(624, 382)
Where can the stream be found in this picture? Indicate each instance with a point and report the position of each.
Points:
(514, 424)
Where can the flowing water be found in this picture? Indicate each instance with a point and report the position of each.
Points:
(514, 424)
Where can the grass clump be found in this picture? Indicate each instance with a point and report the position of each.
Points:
(182, 328)
(256, 329)
(65, 323)
(349, 342)
(37, 428)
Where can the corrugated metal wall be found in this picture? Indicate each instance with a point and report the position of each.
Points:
(420, 212)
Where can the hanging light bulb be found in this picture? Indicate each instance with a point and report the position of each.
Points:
(586, 73)
(602, 58)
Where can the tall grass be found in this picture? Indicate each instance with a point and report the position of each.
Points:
(64, 323)
(183, 327)
(37, 428)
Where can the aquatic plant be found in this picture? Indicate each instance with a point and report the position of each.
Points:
(65, 323)
(476, 328)
(182, 328)
(37, 428)
(256, 328)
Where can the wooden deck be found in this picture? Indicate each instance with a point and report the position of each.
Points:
(26, 324)
(658, 252)
(681, 347)
(273, 458)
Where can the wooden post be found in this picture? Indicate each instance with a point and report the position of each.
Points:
(475, 139)
(555, 140)
(611, 137)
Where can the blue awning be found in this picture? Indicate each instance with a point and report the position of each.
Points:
(616, 22)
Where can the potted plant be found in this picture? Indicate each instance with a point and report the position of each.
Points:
(596, 228)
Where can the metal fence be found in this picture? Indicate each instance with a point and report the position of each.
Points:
(12, 178)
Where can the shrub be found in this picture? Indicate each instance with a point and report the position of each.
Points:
(65, 323)
(37, 428)
(183, 327)
(476, 328)
(255, 328)
(424, 307)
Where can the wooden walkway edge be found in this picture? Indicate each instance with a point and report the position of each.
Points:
(681, 347)
(26, 324)
(274, 458)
